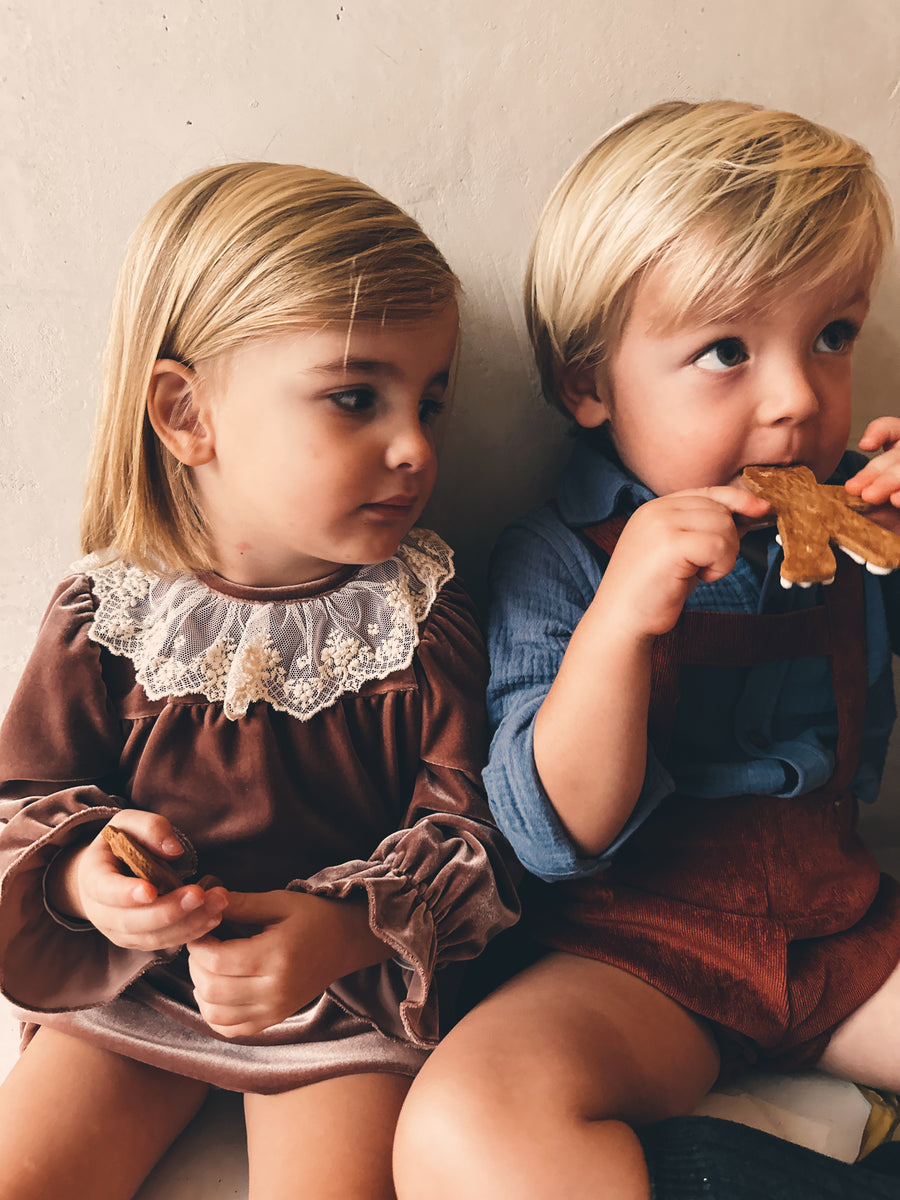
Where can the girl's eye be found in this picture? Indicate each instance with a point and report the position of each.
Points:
(353, 400)
(430, 409)
(836, 338)
(723, 355)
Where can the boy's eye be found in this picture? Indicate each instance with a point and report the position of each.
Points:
(722, 355)
(836, 338)
(353, 400)
(429, 409)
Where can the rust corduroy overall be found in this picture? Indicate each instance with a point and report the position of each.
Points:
(767, 916)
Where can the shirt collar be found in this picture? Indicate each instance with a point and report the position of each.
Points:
(594, 486)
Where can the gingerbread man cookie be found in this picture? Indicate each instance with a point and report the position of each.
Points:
(810, 516)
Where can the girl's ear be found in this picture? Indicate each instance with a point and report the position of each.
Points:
(175, 414)
(585, 396)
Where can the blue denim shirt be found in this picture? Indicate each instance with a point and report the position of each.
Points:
(769, 730)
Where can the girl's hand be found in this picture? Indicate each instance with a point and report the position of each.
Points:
(669, 546)
(878, 482)
(88, 883)
(245, 985)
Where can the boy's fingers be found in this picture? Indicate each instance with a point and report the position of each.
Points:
(877, 482)
(738, 500)
(879, 432)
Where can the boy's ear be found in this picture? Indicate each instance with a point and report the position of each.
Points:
(585, 396)
(174, 412)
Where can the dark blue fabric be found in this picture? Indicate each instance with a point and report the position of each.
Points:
(702, 1158)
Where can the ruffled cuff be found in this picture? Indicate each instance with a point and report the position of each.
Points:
(433, 898)
(51, 963)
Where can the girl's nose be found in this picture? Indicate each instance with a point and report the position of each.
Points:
(411, 446)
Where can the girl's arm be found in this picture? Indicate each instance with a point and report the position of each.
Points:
(244, 985)
(432, 892)
(60, 746)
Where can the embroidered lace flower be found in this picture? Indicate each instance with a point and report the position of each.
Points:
(300, 656)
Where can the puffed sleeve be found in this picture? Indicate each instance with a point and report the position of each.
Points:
(542, 580)
(441, 887)
(59, 752)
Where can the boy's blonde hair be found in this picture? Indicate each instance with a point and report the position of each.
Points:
(229, 255)
(732, 198)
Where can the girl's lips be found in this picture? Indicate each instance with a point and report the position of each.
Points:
(394, 506)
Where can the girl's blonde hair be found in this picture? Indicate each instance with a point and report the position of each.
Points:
(231, 254)
(732, 198)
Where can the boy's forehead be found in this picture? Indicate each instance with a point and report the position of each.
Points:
(664, 298)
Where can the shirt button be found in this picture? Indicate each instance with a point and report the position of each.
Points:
(757, 739)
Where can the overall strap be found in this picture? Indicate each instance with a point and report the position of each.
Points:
(832, 629)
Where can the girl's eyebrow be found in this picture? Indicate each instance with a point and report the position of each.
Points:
(369, 366)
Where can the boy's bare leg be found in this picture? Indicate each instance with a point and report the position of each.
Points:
(534, 1093)
(866, 1047)
(326, 1141)
(80, 1121)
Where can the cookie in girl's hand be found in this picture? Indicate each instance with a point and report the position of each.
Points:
(810, 516)
(143, 864)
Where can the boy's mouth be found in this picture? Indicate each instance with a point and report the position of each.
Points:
(784, 462)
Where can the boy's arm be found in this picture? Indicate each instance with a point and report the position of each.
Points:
(590, 736)
(543, 579)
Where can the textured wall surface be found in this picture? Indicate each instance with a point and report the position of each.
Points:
(464, 111)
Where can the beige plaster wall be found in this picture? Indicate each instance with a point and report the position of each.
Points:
(464, 111)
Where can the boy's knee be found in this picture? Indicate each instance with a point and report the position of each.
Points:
(447, 1137)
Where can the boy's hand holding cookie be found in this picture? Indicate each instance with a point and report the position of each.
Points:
(670, 545)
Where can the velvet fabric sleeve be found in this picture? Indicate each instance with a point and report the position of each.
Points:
(59, 752)
(441, 887)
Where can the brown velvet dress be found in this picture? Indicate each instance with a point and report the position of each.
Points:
(373, 789)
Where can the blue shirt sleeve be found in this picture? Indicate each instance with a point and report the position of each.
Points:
(543, 577)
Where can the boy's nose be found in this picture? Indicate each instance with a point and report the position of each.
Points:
(790, 395)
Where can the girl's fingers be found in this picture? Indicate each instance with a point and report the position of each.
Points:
(152, 830)
(236, 958)
(172, 920)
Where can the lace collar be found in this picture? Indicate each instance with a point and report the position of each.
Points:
(298, 654)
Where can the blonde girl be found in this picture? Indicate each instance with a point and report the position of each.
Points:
(681, 743)
(263, 671)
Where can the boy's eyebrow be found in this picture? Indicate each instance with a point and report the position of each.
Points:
(857, 298)
(860, 296)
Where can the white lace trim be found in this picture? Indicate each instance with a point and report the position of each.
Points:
(300, 656)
